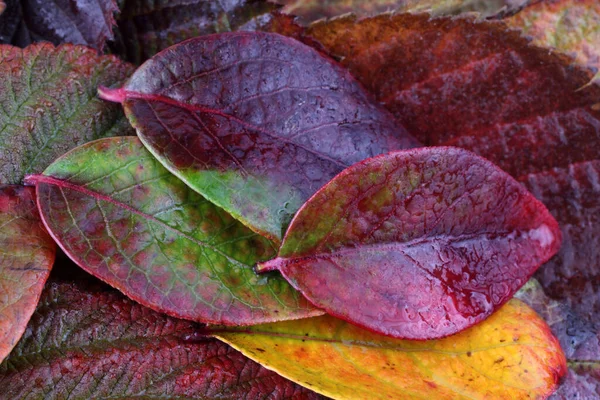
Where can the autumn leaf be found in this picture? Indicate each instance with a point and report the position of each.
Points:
(572, 26)
(86, 22)
(25, 261)
(48, 104)
(147, 27)
(416, 244)
(511, 355)
(86, 341)
(472, 84)
(124, 218)
(254, 122)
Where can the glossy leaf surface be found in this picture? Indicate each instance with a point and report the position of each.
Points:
(473, 84)
(124, 218)
(86, 22)
(86, 341)
(26, 257)
(417, 244)
(573, 196)
(512, 355)
(148, 26)
(254, 122)
(572, 26)
(49, 105)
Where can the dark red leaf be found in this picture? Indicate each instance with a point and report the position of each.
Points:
(87, 22)
(472, 84)
(254, 122)
(417, 244)
(146, 27)
(86, 341)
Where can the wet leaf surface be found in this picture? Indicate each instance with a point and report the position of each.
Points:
(124, 218)
(148, 26)
(26, 257)
(416, 244)
(88, 341)
(511, 355)
(472, 84)
(86, 22)
(49, 105)
(255, 122)
(572, 26)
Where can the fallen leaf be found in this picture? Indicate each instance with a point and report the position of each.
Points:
(572, 26)
(129, 222)
(86, 22)
(254, 122)
(25, 261)
(573, 196)
(87, 341)
(416, 244)
(512, 355)
(472, 84)
(313, 10)
(147, 27)
(48, 104)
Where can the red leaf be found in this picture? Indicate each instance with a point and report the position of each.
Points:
(255, 122)
(417, 244)
(26, 257)
(472, 84)
(87, 341)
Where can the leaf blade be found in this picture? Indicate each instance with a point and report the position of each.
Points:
(49, 105)
(266, 133)
(122, 217)
(343, 361)
(417, 244)
(88, 341)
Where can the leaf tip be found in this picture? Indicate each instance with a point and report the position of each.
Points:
(115, 95)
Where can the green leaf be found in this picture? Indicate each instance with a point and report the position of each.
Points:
(48, 104)
(26, 257)
(120, 215)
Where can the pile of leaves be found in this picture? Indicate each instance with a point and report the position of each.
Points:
(350, 208)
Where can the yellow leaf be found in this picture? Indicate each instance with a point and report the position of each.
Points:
(511, 355)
